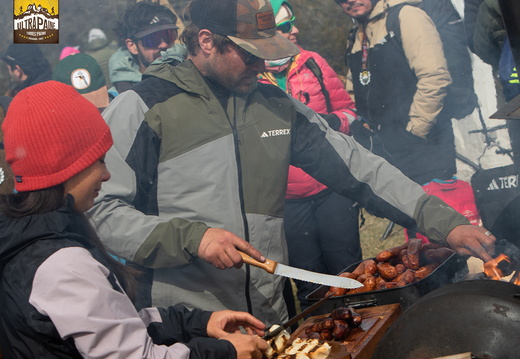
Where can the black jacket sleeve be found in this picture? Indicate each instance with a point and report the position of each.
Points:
(179, 324)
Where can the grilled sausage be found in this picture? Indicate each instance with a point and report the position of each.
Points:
(368, 285)
(327, 324)
(326, 335)
(341, 314)
(342, 322)
(370, 267)
(379, 280)
(383, 256)
(336, 291)
(414, 246)
(388, 254)
(400, 268)
(402, 254)
(309, 329)
(407, 278)
(387, 271)
(355, 321)
(362, 278)
(424, 271)
(406, 260)
(340, 332)
(360, 269)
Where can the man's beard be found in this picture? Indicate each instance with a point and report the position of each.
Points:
(226, 80)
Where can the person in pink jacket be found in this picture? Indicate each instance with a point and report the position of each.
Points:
(321, 226)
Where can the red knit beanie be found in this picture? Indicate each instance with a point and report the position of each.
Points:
(51, 133)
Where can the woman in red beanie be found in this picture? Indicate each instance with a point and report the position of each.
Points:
(61, 294)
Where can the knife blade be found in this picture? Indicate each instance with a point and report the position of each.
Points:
(296, 318)
(276, 268)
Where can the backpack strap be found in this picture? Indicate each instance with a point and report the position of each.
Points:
(315, 69)
(392, 21)
(350, 44)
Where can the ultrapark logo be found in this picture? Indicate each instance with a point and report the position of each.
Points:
(36, 23)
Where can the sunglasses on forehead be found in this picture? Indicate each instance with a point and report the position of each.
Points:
(154, 39)
(249, 58)
(286, 26)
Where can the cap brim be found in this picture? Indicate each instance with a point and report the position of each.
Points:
(153, 29)
(268, 48)
(98, 97)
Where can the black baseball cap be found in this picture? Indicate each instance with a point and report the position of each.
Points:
(249, 24)
(157, 23)
(22, 54)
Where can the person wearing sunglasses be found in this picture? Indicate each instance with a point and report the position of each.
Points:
(200, 161)
(146, 30)
(321, 226)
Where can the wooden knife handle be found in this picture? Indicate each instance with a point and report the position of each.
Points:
(269, 265)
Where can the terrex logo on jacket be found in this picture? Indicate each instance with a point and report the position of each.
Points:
(273, 133)
(503, 182)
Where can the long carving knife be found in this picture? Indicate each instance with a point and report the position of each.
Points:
(276, 268)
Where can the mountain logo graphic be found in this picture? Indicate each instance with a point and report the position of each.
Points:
(35, 23)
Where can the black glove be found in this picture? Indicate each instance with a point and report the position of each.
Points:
(333, 120)
(361, 134)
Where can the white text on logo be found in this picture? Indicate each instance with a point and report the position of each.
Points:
(504, 182)
(272, 133)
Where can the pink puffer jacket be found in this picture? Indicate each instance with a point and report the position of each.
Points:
(303, 85)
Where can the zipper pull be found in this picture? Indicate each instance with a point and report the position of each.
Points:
(235, 134)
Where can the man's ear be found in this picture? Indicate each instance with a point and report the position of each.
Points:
(131, 46)
(16, 71)
(206, 41)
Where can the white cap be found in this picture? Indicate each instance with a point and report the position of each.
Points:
(96, 34)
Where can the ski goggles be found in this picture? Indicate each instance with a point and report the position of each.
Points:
(286, 26)
(154, 39)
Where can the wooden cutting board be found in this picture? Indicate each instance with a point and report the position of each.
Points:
(361, 342)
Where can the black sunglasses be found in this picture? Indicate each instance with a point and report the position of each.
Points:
(249, 58)
(286, 26)
(339, 2)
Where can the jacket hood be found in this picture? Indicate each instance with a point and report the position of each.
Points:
(123, 67)
(381, 6)
(185, 75)
(17, 234)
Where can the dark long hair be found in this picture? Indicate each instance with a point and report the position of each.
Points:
(47, 200)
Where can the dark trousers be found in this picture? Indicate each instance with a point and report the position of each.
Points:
(322, 236)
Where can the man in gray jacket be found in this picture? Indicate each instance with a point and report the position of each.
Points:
(199, 169)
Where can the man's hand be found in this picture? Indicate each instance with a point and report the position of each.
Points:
(247, 346)
(362, 133)
(224, 322)
(219, 247)
(470, 240)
